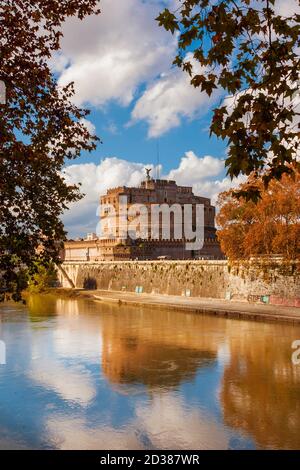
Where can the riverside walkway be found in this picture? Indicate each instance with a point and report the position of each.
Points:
(216, 307)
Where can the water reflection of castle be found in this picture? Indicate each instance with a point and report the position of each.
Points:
(156, 356)
(261, 387)
(258, 387)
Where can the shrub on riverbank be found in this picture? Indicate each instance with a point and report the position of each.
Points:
(42, 278)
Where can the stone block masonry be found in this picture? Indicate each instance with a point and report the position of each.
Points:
(268, 283)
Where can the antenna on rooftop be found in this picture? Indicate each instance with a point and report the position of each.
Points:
(158, 159)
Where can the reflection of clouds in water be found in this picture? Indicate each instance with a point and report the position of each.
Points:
(78, 342)
(72, 383)
(11, 440)
(68, 434)
(78, 339)
(79, 336)
(162, 423)
(170, 425)
(224, 354)
(67, 307)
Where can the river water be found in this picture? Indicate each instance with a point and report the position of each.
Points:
(84, 375)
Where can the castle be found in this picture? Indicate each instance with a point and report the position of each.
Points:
(117, 243)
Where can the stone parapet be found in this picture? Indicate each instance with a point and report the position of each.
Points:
(192, 278)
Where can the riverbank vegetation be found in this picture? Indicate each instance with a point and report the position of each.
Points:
(268, 228)
(42, 278)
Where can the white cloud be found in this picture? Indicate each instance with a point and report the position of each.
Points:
(192, 169)
(205, 174)
(286, 7)
(213, 188)
(111, 128)
(89, 126)
(169, 99)
(110, 55)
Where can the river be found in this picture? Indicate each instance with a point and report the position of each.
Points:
(80, 374)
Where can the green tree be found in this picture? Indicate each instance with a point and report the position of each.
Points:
(40, 128)
(43, 276)
(251, 51)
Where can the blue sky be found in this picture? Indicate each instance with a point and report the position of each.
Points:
(121, 64)
(133, 144)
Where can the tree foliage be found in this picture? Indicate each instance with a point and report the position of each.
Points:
(43, 276)
(269, 227)
(251, 52)
(40, 128)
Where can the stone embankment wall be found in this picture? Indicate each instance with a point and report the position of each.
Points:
(268, 283)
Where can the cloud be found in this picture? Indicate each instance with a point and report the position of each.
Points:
(111, 128)
(168, 100)
(89, 126)
(286, 7)
(205, 174)
(192, 169)
(110, 55)
(213, 188)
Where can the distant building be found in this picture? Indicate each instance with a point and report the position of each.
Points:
(118, 243)
(91, 236)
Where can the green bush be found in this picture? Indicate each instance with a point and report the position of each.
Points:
(43, 277)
